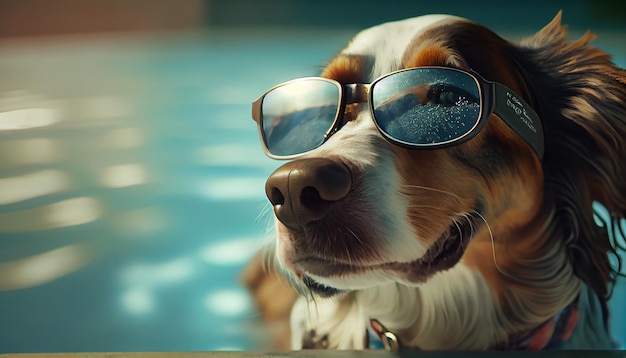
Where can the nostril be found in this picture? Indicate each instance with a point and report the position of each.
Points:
(310, 198)
(276, 197)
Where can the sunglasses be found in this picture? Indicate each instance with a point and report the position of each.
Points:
(420, 108)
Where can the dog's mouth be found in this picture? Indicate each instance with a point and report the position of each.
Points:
(445, 253)
(320, 289)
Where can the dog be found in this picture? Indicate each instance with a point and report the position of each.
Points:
(439, 192)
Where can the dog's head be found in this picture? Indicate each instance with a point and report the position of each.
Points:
(363, 205)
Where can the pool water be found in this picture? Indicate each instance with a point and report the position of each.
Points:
(131, 187)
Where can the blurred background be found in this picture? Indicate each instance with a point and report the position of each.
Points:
(131, 177)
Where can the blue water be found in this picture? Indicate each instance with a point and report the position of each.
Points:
(131, 187)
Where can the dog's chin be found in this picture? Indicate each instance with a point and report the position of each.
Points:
(327, 278)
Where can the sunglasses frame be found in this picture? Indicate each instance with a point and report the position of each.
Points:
(257, 115)
(495, 98)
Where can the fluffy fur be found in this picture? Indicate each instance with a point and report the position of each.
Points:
(531, 246)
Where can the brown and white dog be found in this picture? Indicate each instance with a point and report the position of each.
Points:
(482, 245)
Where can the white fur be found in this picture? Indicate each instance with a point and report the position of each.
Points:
(343, 322)
(453, 310)
(387, 43)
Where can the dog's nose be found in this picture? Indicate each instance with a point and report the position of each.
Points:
(303, 191)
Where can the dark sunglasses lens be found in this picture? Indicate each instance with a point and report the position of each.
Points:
(426, 105)
(297, 115)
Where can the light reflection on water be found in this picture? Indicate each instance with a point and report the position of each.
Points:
(70, 212)
(131, 182)
(141, 223)
(31, 151)
(42, 268)
(129, 198)
(27, 118)
(119, 176)
(29, 186)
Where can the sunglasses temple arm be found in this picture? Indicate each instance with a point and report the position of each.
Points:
(256, 110)
(518, 115)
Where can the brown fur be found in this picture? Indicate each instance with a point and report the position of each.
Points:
(582, 98)
(539, 240)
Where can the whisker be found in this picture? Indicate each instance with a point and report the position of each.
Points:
(310, 299)
(264, 212)
(267, 259)
(493, 246)
(254, 315)
(354, 235)
(458, 227)
(346, 246)
(468, 217)
(340, 233)
(424, 206)
(456, 220)
(412, 186)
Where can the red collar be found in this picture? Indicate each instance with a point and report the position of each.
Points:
(550, 333)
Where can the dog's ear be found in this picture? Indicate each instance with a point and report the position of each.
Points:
(581, 99)
(593, 91)
(553, 32)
